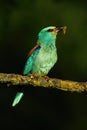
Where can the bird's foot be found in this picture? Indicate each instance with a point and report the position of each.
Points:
(34, 76)
(46, 77)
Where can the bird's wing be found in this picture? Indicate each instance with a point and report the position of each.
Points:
(30, 59)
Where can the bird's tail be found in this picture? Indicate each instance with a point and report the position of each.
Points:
(17, 98)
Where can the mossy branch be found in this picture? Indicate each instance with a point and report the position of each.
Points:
(66, 85)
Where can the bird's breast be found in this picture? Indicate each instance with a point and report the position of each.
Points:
(48, 56)
(45, 60)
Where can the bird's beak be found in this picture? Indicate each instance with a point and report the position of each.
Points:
(61, 28)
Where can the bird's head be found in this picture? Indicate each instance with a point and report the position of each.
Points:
(48, 35)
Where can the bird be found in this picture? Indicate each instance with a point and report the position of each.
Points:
(43, 56)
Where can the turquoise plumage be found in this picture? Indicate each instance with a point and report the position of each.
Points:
(30, 60)
(18, 97)
(43, 56)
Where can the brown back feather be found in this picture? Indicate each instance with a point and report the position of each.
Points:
(33, 49)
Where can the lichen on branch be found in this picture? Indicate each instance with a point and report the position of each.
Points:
(66, 85)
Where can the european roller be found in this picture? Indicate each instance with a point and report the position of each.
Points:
(43, 56)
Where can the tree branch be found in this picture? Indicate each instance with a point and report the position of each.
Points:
(66, 85)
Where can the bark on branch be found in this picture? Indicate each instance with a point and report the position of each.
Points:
(66, 85)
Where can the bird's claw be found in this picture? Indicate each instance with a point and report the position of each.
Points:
(46, 77)
(34, 76)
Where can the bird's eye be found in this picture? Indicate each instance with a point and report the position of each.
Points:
(49, 30)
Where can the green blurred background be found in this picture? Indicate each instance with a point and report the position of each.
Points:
(20, 22)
